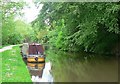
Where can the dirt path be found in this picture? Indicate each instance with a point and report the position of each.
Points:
(6, 48)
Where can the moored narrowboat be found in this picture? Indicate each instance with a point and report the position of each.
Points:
(33, 52)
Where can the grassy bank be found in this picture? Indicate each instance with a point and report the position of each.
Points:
(13, 67)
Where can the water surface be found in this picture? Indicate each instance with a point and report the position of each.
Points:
(82, 67)
(74, 67)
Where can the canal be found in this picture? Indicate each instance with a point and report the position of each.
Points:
(74, 67)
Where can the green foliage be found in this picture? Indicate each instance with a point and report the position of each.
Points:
(10, 8)
(15, 31)
(92, 27)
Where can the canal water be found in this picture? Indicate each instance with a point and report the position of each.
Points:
(74, 67)
(39, 72)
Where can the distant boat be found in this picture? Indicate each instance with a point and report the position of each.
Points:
(33, 52)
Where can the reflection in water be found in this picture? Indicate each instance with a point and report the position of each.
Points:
(82, 67)
(47, 77)
(36, 69)
(40, 72)
(74, 67)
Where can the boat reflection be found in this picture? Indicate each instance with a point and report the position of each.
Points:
(40, 72)
(36, 69)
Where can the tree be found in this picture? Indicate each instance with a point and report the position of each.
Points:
(14, 32)
(92, 27)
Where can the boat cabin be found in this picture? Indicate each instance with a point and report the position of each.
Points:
(33, 52)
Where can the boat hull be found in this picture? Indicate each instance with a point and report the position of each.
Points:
(36, 59)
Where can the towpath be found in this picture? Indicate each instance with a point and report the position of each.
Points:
(6, 48)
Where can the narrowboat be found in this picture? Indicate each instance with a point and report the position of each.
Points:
(33, 52)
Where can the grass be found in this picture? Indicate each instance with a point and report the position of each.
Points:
(13, 67)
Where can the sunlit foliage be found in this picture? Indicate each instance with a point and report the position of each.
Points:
(92, 27)
(14, 31)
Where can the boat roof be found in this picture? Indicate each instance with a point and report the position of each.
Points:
(35, 49)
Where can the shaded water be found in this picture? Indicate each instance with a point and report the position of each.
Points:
(82, 67)
(74, 67)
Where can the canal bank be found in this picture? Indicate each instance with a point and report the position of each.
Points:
(13, 67)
